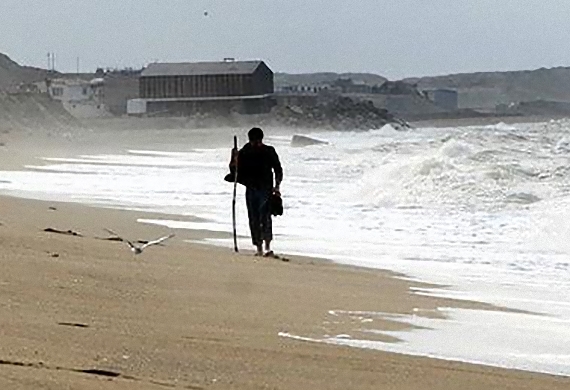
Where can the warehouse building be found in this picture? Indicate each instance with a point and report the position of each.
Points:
(215, 87)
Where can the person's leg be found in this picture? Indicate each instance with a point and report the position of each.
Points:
(267, 231)
(266, 223)
(253, 207)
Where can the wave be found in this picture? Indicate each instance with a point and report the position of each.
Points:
(501, 126)
(522, 198)
(155, 153)
(455, 173)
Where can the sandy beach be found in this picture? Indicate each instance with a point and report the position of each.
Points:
(80, 312)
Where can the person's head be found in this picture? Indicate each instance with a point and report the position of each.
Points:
(255, 136)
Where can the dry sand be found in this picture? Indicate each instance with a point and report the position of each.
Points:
(195, 317)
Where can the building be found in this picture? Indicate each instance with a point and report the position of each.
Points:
(81, 98)
(447, 99)
(303, 89)
(119, 88)
(216, 87)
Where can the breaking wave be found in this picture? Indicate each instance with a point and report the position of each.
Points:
(452, 173)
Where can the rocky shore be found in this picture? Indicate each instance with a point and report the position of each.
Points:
(340, 113)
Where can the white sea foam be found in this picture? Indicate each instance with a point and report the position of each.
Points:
(483, 209)
(464, 332)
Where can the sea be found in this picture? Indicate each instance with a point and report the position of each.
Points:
(482, 211)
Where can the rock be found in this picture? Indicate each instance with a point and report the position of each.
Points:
(296, 110)
(331, 112)
(301, 141)
(338, 112)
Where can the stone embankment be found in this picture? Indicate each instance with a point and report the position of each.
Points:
(341, 113)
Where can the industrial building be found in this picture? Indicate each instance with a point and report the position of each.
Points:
(215, 87)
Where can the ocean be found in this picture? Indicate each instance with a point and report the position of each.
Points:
(483, 211)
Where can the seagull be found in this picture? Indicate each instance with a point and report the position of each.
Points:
(137, 250)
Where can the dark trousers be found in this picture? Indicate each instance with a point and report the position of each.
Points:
(259, 215)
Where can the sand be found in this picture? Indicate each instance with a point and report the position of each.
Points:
(78, 312)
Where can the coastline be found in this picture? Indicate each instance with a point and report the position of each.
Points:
(140, 309)
(485, 121)
(186, 315)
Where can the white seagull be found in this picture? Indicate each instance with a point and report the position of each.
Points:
(137, 250)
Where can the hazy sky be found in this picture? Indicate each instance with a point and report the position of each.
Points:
(395, 38)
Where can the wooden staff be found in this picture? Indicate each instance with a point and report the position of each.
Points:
(235, 157)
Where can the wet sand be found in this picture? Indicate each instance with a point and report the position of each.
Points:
(79, 312)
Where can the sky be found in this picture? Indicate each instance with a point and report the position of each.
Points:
(393, 38)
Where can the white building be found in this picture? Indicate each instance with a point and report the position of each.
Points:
(83, 99)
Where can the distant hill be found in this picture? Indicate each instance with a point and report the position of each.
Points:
(284, 79)
(482, 91)
(12, 74)
(487, 89)
(33, 112)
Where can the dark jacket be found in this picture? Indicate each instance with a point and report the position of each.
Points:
(256, 166)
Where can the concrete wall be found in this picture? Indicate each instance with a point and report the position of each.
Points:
(86, 110)
(215, 107)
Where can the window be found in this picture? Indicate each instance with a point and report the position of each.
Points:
(181, 86)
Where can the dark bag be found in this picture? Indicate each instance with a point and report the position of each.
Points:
(230, 177)
(276, 204)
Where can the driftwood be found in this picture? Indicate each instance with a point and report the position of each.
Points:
(119, 239)
(110, 238)
(73, 324)
(66, 232)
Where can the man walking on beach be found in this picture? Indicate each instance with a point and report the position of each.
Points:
(256, 163)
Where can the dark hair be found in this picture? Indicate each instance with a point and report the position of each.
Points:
(255, 134)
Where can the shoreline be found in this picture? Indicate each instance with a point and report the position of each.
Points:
(23, 239)
(485, 121)
(31, 214)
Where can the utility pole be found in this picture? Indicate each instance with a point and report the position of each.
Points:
(49, 61)
(78, 65)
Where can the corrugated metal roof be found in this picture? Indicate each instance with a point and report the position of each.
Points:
(200, 68)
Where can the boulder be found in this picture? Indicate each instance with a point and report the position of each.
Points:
(302, 141)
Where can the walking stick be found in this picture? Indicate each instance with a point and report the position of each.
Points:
(235, 192)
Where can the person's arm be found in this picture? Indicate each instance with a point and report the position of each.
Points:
(236, 163)
(234, 158)
(278, 169)
(232, 165)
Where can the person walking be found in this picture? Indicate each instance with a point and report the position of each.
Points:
(257, 164)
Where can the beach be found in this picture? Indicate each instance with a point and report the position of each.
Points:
(81, 312)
